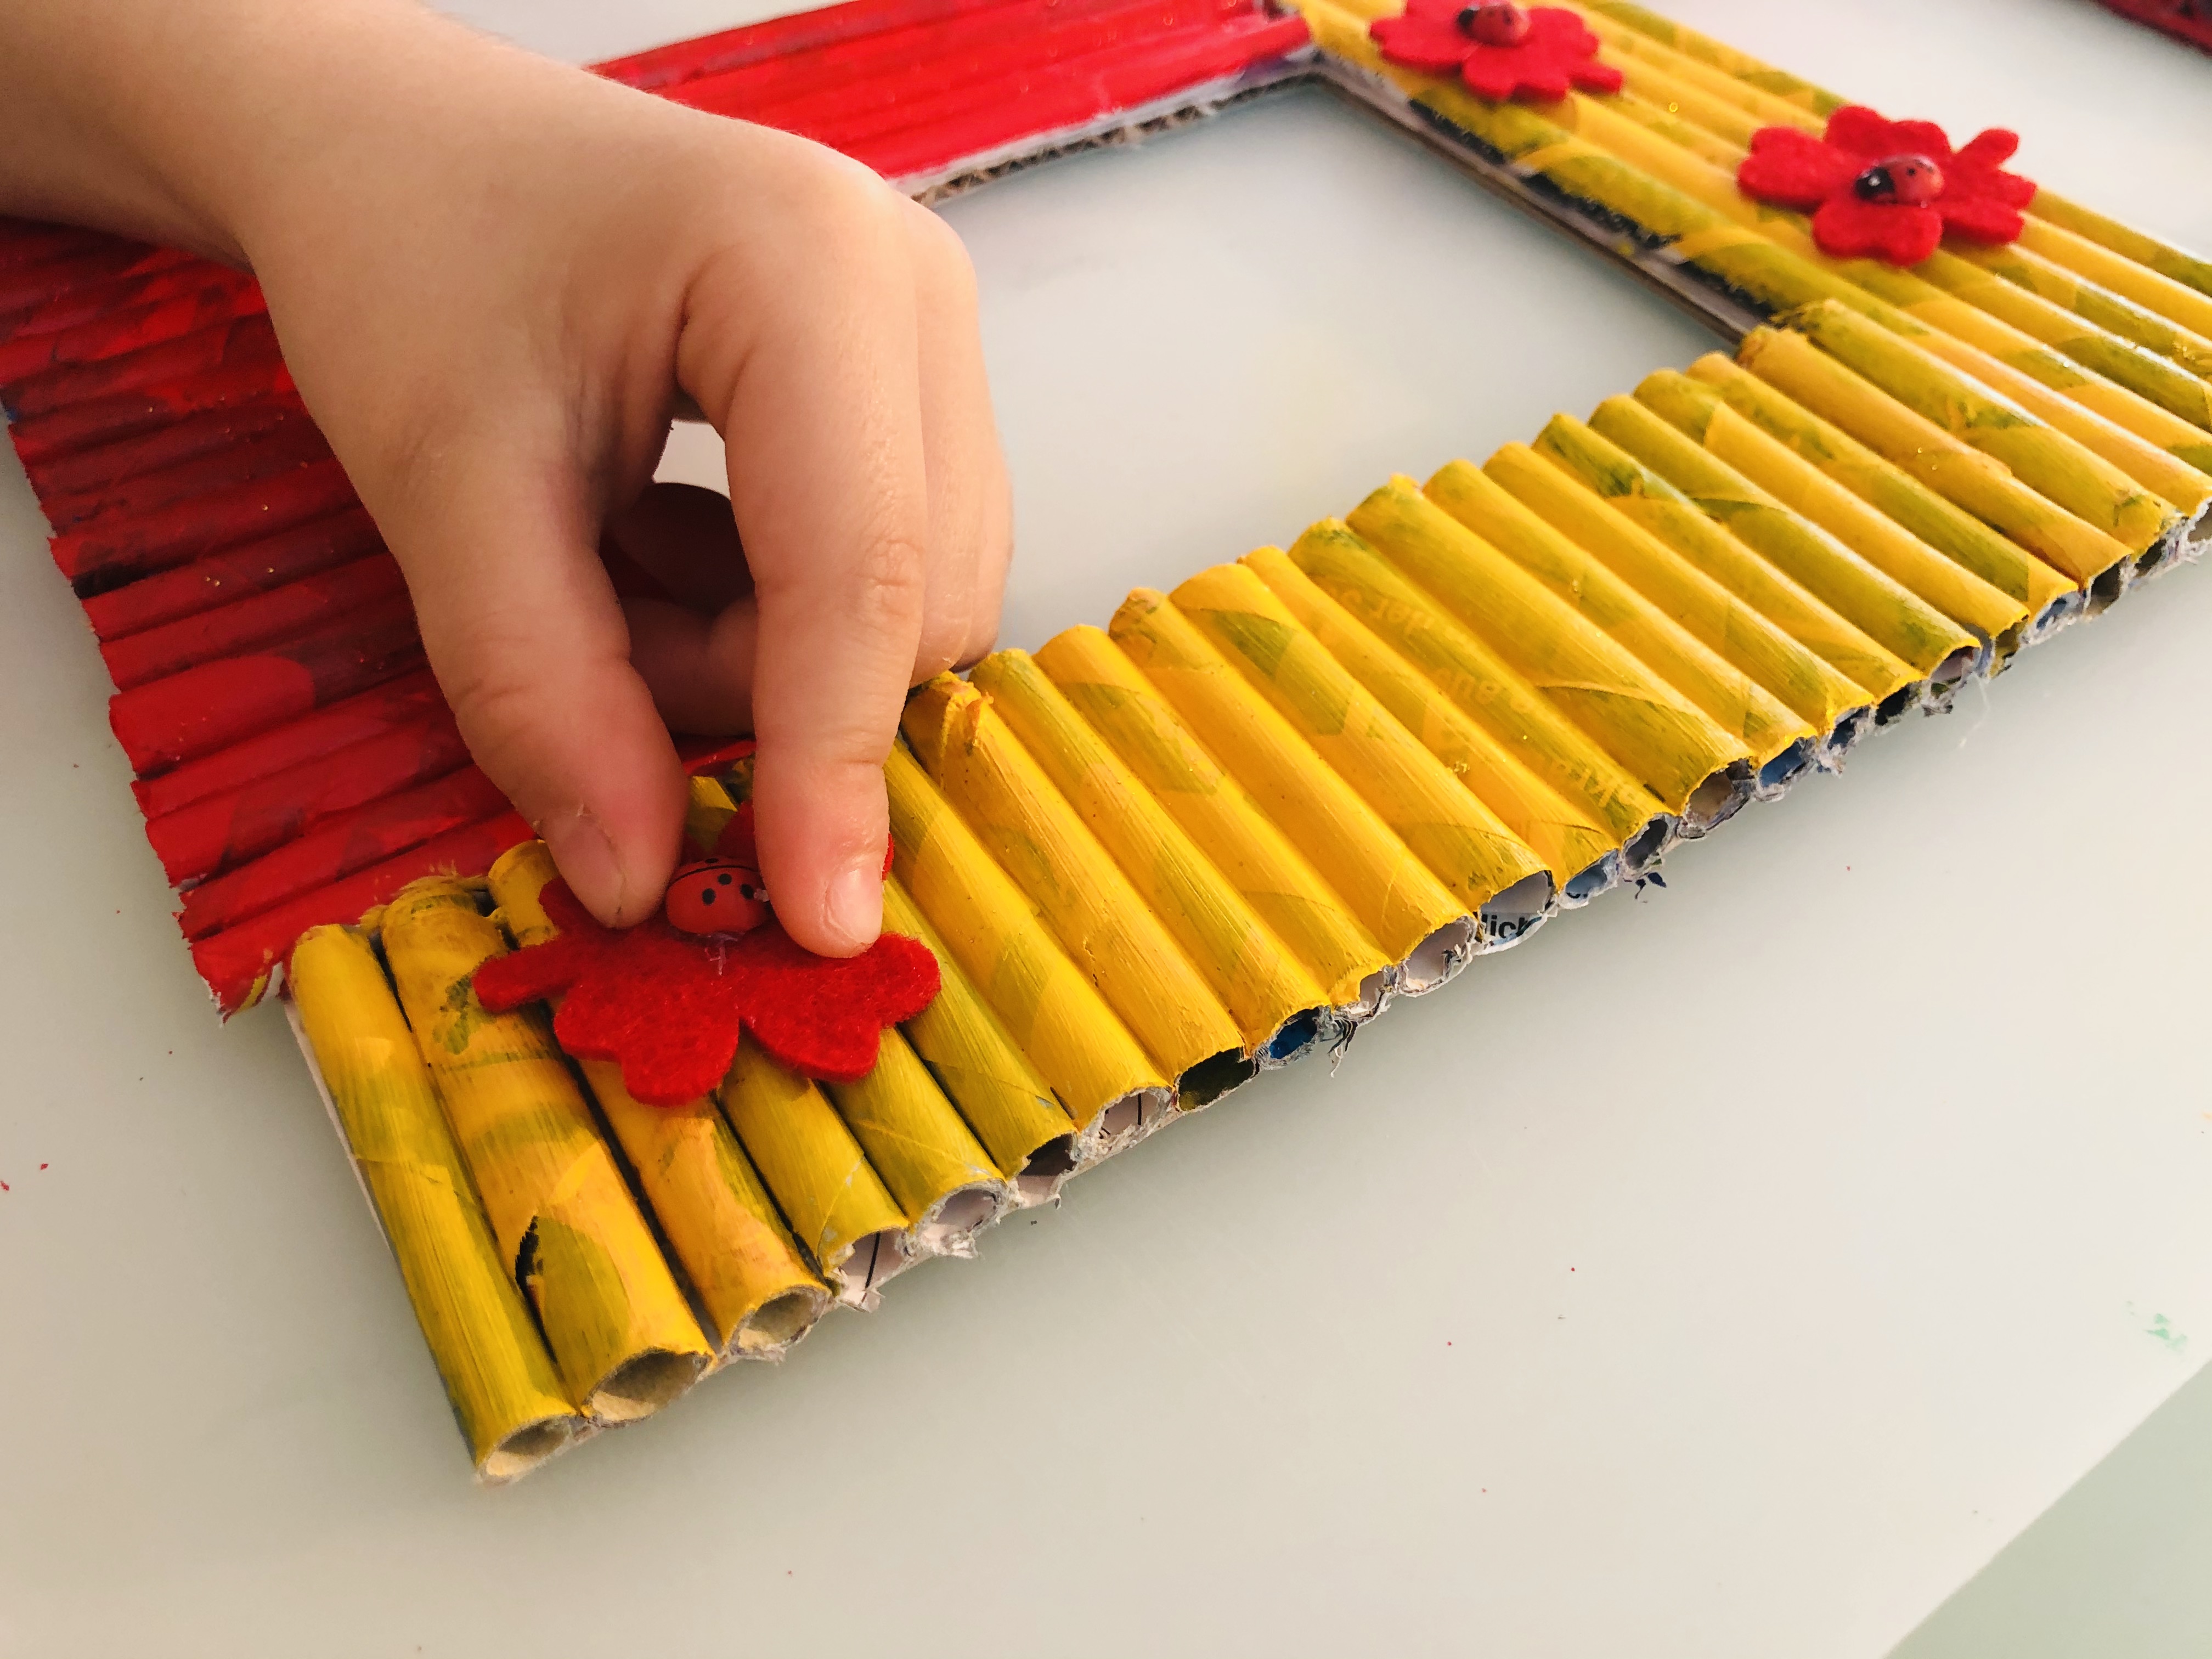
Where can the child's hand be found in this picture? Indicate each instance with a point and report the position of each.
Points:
(491, 275)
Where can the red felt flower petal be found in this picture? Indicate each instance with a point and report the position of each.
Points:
(1981, 219)
(669, 1006)
(1420, 43)
(1593, 76)
(1792, 168)
(1991, 148)
(1848, 228)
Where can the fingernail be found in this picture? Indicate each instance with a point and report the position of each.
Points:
(588, 863)
(852, 909)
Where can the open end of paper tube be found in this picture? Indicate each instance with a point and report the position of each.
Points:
(950, 1226)
(1780, 772)
(1123, 1124)
(525, 1449)
(870, 1264)
(1599, 877)
(1437, 958)
(1845, 735)
(1645, 846)
(1510, 917)
(1050, 1165)
(769, 1331)
(1297, 1034)
(2182, 544)
(1717, 799)
(1212, 1078)
(2055, 615)
(1900, 702)
(638, 1387)
(2105, 592)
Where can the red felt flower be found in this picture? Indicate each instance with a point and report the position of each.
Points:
(668, 1005)
(1500, 50)
(1889, 189)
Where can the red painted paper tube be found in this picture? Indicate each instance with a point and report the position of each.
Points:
(381, 830)
(251, 624)
(716, 54)
(936, 80)
(109, 552)
(215, 580)
(131, 414)
(406, 702)
(96, 299)
(224, 830)
(236, 963)
(33, 241)
(855, 66)
(209, 708)
(250, 341)
(104, 467)
(241, 463)
(129, 328)
(983, 118)
(33, 283)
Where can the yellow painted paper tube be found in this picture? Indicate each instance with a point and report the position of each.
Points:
(717, 1217)
(1257, 977)
(1477, 680)
(1733, 699)
(1076, 889)
(2093, 304)
(1792, 364)
(1881, 608)
(1698, 412)
(1626, 44)
(1818, 694)
(2047, 462)
(2125, 240)
(835, 1202)
(1571, 842)
(1646, 725)
(1465, 845)
(498, 1377)
(1887, 488)
(934, 1169)
(625, 1342)
(1216, 811)
(2175, 301)
(1656, 507)
(1006, 1102)
(1076, 1042)
(1393, 895)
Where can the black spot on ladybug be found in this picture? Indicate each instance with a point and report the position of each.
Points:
(707, 895)
(722, 880)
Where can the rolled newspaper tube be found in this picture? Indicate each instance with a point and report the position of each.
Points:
(1395, 897)
(2046, 461)
(2095, 304)
(1735, 702)
(1728, 623)
(1076, 1042)
(568, 1227)
(1069, 879)
(1793, 365)
(1574, 846)
(1883, 609)
(1027, 1133)
(746, 1272)
(2186, 269)
(2176, 302)
(835, 1204)
(1699, 413)
(504, 1392)
(1465, 845)
(1254, 973)
(931, 1165)
(1655, 506)
(1481, 685)
(1887, 488)
(1217, 812)
(1665, 740)
(2148, 442)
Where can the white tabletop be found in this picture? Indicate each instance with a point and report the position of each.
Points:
(1730, 1270)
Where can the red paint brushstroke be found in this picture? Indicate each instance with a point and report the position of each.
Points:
(130, 328)
(219, 579)
(33, 283)
(113, 294)
(663, 67)
(250, 341)
(241, 463)
(130, 414)
(368, 836)
(236, 963)
(253, 623)
(85, 470)
(208, 707)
